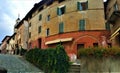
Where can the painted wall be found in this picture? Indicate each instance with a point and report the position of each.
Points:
(70, 18)
(86, 37)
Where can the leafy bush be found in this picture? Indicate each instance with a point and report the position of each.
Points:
(22, 51)
(99, 52)
(51, 60)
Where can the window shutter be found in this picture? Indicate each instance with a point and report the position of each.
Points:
(59, 12)
(78, 4)
(82, 25)
(115, 6)
(65, 9)
(40, 17)
(39, 29)
(48, 18)
(47, 32)
(87, 5)
(107, 26)
(61, 27)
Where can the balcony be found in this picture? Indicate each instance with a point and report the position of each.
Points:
(115, 21)
(115, 15)
(115, 30)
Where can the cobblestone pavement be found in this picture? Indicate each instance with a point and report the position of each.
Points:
(16, 64)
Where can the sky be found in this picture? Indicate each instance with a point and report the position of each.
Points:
(9, 11)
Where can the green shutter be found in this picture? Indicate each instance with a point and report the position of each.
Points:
(40, 17)
(107, 26)
(59, 11)
(39, 29)
(87, 5)
(79, 6)
(61, 27)
(82, 24)
(65, 9)
(48, 18)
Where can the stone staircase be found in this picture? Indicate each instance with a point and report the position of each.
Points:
(16, 64)
(75, 68)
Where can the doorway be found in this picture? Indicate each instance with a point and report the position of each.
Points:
(79, 46)
(39, 43)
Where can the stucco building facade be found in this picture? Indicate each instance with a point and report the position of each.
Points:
(113, 20)
(11, 44)
(21, 34)
(4, 44)
(73, 23)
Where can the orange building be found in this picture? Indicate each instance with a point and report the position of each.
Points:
(113, 20)
(4, 44)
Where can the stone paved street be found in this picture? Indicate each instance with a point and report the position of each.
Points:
(16, 64)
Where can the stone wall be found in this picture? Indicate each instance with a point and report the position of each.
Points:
(104, 65)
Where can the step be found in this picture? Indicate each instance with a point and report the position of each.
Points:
(75, 68)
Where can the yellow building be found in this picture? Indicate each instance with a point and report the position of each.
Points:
(113, 19)
(11, 44)
(73, 23)
(21, 36)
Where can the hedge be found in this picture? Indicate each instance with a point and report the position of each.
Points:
(23, 51)
(99, 52)
(50, 60)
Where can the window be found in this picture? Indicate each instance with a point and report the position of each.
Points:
(60, 1)
(19, 41)
(40, 17)
(29, 34)
(109, 45)
(39, 29)
(95, 44)
(30, 25)
(30, 45)
(61, 27)
(47, 32)
(107, 26)
(115, 6)
(61, 10)
(79, 46)
(49, 2)
(48, 18)
(82, 24)
(82, 6)
(13, 37)
(41, 8)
